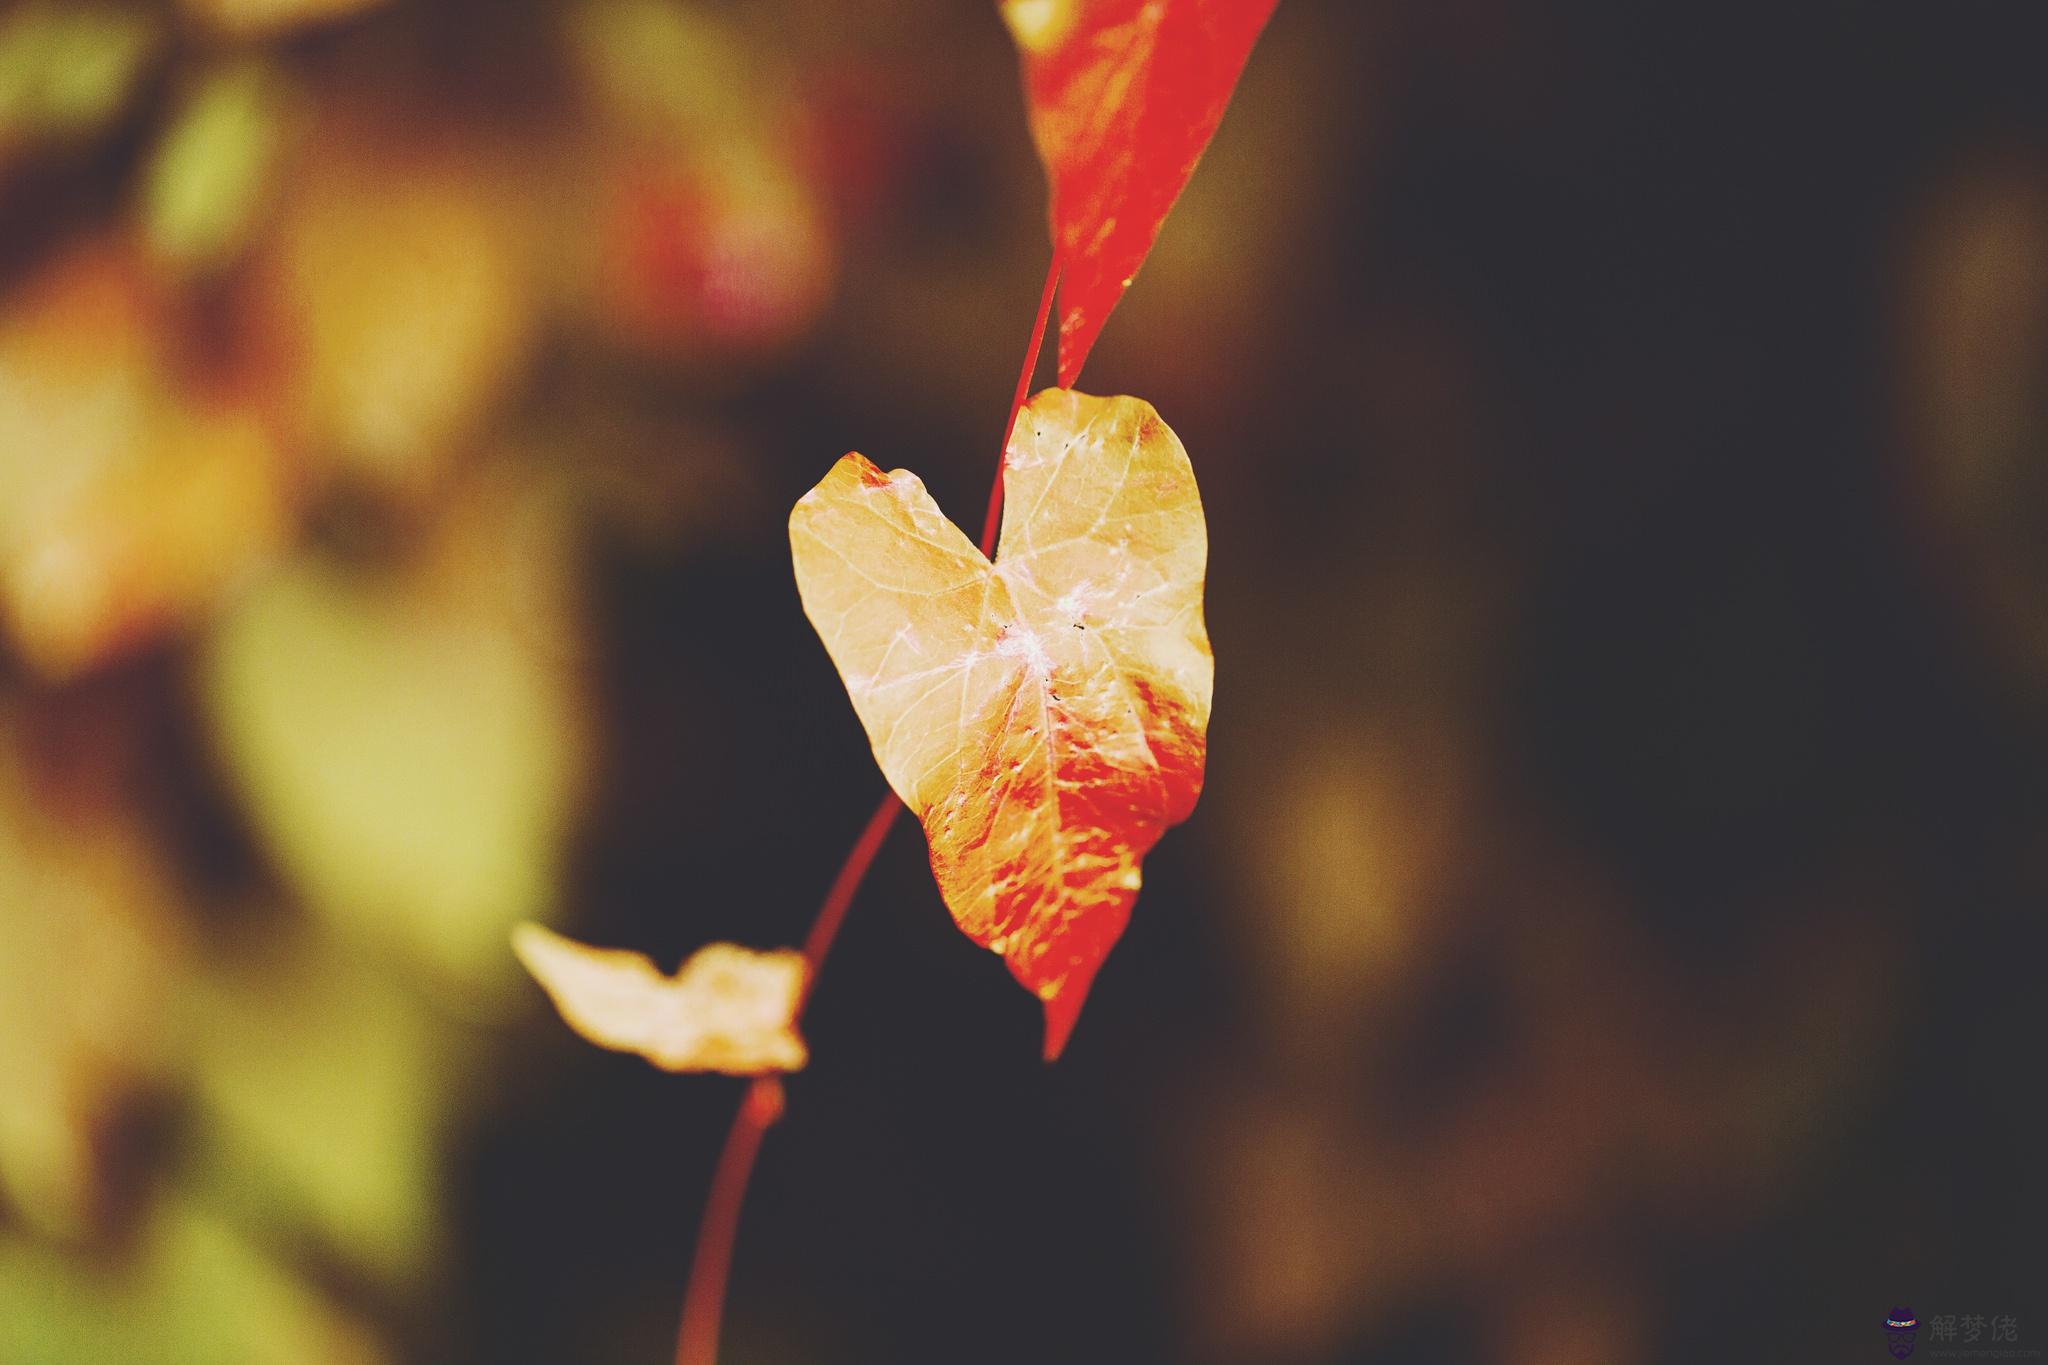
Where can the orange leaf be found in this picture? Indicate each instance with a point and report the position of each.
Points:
(1045, 715)
(729, 1009)
(1123, 97)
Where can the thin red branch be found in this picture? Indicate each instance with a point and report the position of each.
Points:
(833, 912)
(994, 520)
(704, 1296)
(704, 1300)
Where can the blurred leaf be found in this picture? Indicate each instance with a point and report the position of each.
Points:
(669, 68)
(128, 503)
(698, 232)
(88, 953)
(702, 232)
(723, 252)
(80, 354)
(1123, 95)
(1974, 337)
(728, 1008)
(66, 70)
(1047, 716)
(321, 1085)
(1350, 846)
(408, 744)
(208, 176)
(271, 18)
(399, 282)
(195, 1292)
(147, 550)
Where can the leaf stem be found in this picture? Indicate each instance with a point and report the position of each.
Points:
(994, 520)
(833, 912)
(704, 1299)
(704, 1295)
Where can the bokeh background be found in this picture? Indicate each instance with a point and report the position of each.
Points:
(1612, 932)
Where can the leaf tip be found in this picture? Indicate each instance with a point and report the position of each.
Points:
(538, 947)
(1062, 1011)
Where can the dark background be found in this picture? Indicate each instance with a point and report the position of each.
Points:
(1611, 931)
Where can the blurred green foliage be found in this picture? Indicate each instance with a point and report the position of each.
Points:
(269, 416)
(67, 70)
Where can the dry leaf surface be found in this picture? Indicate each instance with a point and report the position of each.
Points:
(1044, 715)
(1123, 97)
(728, 1009)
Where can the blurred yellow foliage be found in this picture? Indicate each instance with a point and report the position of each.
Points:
(320, 1081)
(196, 1288)
(129, 497)
(271, 18)
(401, 301)
(409, 741)
(89, 949)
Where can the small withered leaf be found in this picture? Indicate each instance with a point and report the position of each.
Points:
(728, 1009)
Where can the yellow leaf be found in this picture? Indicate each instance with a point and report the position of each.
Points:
(728, 1009)
(1044, 715)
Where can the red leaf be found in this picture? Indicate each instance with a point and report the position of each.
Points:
(1123, 96)
(1045, 715)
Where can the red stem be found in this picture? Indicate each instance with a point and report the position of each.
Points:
(833, 912)
(704, 1296)
(704, 1300)
(994, 520)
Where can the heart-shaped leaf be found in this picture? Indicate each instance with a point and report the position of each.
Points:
(1123, 97)
(1044, 715)
(728, 1009)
